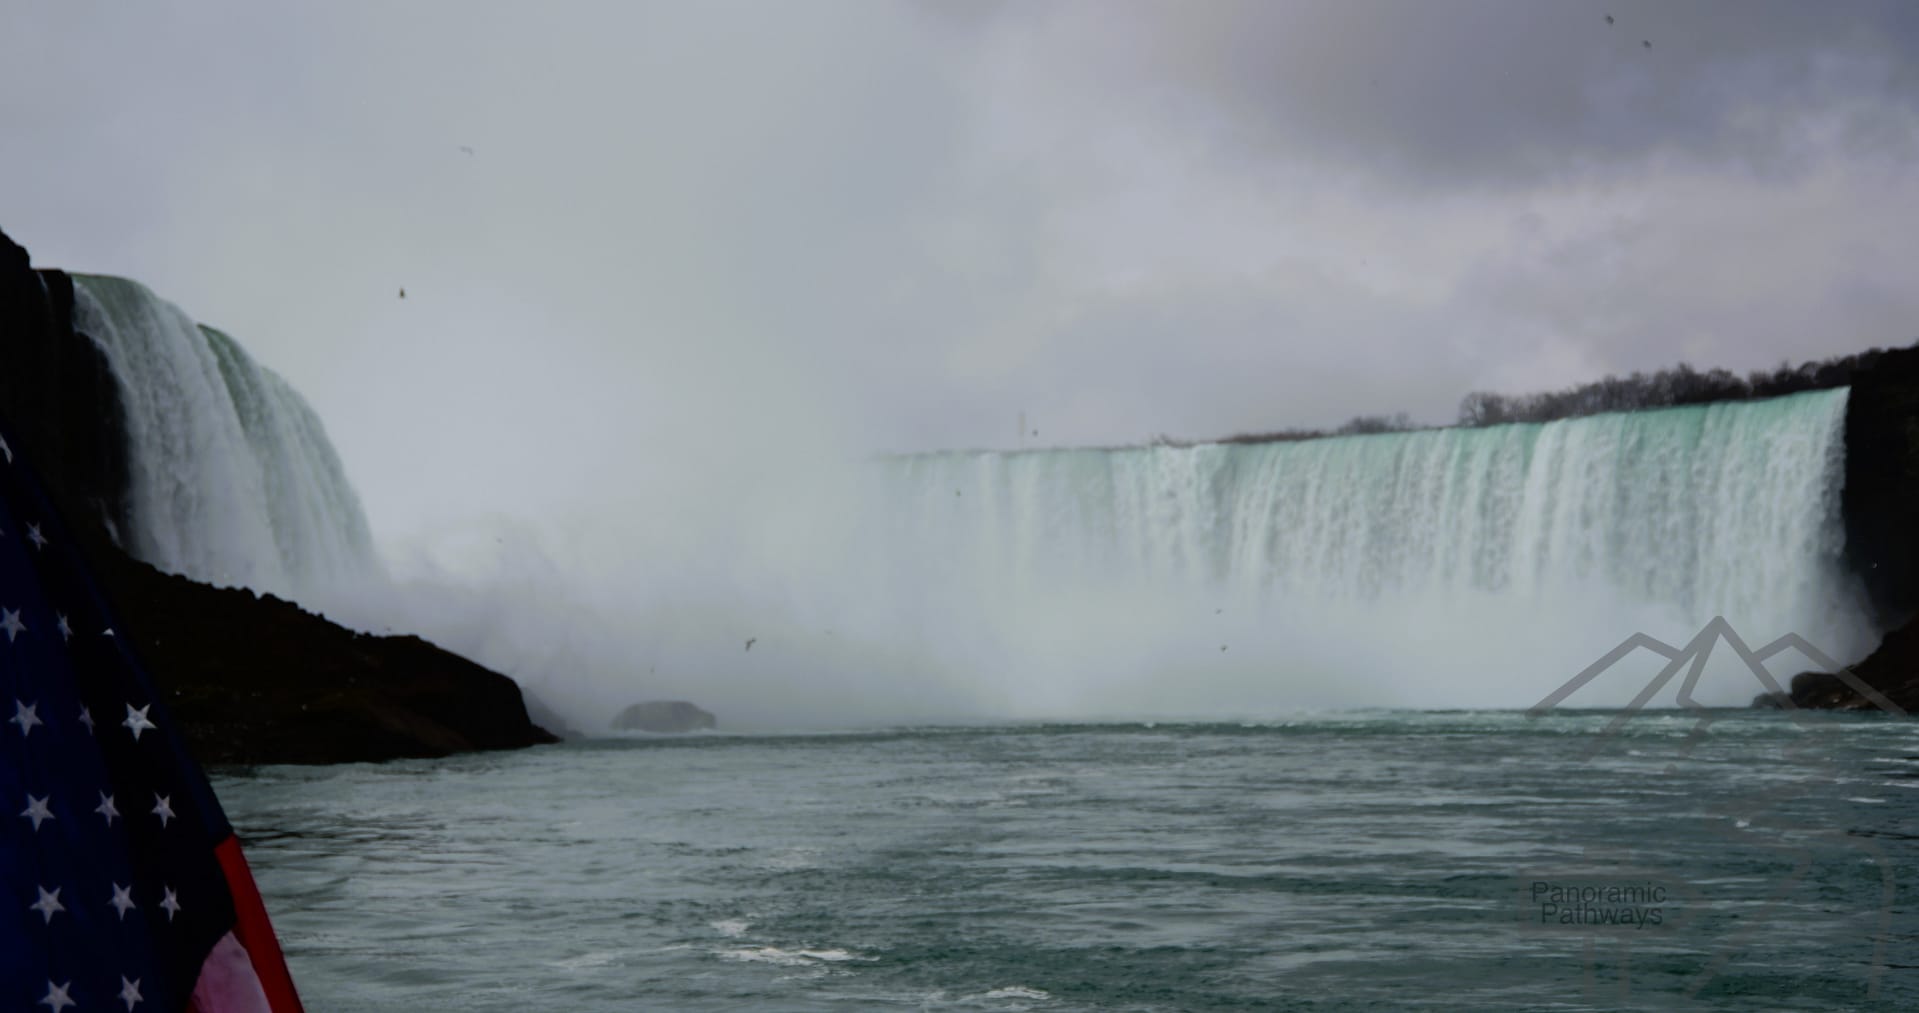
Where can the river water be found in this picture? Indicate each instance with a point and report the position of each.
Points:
(1339, 861)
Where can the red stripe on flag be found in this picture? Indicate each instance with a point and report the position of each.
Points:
(254, 931)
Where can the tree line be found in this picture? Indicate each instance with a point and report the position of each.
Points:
(1358, 425)
(1667, 388)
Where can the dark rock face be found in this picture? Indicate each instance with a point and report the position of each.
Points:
(664, 716)
(250, 679)
(259, 680)
(1881, 496)
(1892, 671)
(59, 396)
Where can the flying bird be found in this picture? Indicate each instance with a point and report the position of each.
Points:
(466, 149)
(750, 641)
(403, 293)
(1647, 43)
(1609, 19)
(1222, 647)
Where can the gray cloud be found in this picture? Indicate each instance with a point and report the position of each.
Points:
(1503, 92)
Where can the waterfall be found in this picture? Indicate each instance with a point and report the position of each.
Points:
(1533, 546)
(1440, 568)
(232, 479)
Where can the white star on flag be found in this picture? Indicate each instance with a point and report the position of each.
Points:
(37, 811)
(48, 903)
(56, 860)
(57, 996)
(137, 722)
(25, 715)
(122, 900)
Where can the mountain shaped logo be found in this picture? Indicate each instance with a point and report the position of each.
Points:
(1693, 657)
(1761, 821)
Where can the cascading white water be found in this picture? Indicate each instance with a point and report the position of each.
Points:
(1443, 551)
(1729, 508)
(232, 479)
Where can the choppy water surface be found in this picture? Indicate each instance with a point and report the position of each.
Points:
(1340, 862)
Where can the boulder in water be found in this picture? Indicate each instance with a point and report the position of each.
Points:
(664, 716)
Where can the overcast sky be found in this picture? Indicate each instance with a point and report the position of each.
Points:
(690, 230)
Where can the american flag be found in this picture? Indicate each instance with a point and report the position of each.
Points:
(122, 886)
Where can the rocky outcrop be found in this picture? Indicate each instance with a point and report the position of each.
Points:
(249, 679)
(1891, 671)
(260, 680)
(664, 716)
